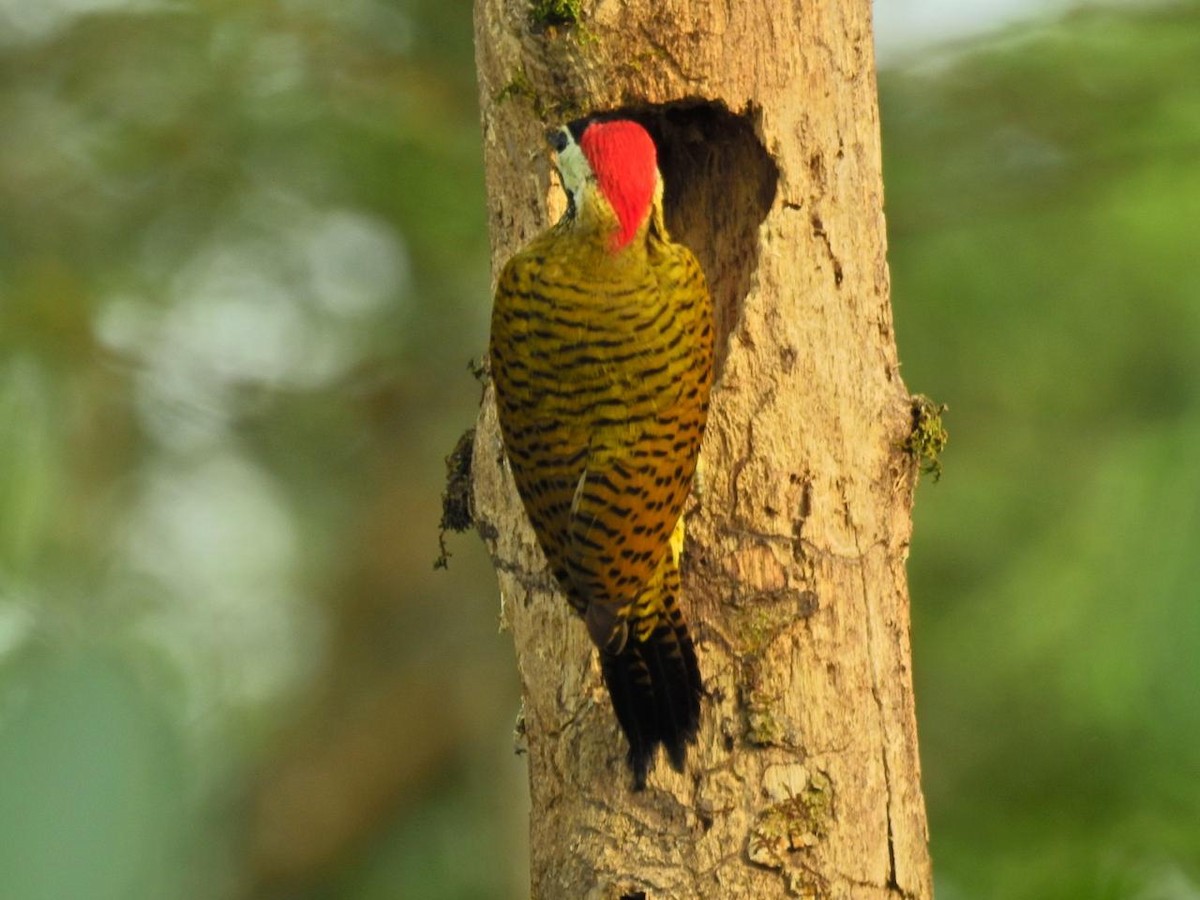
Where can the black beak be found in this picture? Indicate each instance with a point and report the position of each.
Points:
(557, 139)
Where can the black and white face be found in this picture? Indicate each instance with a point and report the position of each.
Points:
(573, 168)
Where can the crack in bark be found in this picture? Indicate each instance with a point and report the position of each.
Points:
(664, 55)
(540, 580)
(576, 713)
(891, 837)
(739, 465)
(875, 694)
(819, 232)
(737, 532)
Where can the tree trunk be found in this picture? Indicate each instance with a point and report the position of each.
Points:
(805, 781)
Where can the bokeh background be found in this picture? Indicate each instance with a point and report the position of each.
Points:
(243, 268)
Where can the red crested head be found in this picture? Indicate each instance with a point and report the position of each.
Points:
(625, 163)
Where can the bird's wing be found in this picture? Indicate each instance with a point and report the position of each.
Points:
(644, 441)
(546, 455)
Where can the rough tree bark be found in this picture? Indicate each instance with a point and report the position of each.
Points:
(805, 781)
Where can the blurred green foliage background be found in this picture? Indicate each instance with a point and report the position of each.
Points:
(243, 266)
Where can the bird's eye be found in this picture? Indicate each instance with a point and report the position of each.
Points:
(557, 139)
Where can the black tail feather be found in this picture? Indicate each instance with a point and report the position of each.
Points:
(629, 686)
(655, 690)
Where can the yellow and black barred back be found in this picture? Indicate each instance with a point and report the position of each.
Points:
(602, 363)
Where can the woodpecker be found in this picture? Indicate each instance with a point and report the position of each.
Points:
(602, 358)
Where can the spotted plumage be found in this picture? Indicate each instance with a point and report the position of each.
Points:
(601, 353)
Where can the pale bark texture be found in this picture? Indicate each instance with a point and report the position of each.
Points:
(805, 780)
